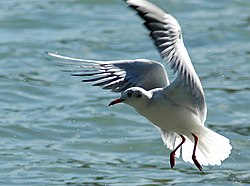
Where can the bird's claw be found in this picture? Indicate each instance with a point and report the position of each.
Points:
(197, 164)
(172, 160)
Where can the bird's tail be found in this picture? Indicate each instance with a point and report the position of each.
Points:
(212, 148)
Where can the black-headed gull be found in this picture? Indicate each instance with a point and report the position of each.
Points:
(178, 109)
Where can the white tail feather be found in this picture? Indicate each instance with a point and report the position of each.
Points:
(212, 147)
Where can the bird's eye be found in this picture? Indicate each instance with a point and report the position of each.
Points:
(139, 95)
(129, 94)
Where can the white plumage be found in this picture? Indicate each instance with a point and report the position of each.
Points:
(177, 109)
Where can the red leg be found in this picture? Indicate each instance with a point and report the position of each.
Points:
(172, 154)
(194, 156)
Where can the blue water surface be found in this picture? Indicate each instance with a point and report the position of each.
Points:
(55, 130)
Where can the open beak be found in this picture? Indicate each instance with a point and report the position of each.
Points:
(119, 100)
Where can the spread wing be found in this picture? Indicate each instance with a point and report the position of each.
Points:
(166, 33)
(119, 75)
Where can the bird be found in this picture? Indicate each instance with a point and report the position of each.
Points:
(178, 108)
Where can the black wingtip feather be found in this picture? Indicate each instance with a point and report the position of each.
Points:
(93, 79)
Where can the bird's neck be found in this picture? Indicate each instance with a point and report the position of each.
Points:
(142, 106)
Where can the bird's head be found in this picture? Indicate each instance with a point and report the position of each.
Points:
(134, 97)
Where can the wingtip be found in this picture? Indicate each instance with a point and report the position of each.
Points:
(49, 53)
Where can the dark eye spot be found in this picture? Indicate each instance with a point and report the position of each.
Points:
(129, 94)
(139, 95)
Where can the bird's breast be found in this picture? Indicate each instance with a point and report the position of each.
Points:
(167, 115)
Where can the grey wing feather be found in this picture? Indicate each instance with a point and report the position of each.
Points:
(119, 75)
(166, 34)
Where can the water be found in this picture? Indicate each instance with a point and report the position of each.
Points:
(55, 130)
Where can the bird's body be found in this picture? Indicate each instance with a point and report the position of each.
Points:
(179, 108)
(178, 120)
(167, 114)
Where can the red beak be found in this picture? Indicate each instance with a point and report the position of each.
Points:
(116, 101)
